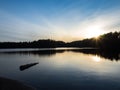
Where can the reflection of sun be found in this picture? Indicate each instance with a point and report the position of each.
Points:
(96, 58)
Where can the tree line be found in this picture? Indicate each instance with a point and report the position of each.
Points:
(109, 41)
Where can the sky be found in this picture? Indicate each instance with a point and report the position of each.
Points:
(66, 20)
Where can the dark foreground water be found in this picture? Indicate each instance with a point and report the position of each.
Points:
(61, 69)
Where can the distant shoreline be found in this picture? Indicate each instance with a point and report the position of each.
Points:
(8, 84)
(109, 41)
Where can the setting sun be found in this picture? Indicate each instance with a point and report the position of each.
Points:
(94, 31)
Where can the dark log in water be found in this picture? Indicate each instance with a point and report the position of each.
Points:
(23, 67)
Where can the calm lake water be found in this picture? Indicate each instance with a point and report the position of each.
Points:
(62, 69)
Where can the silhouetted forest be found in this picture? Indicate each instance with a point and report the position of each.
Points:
(109, 41)
(35, 44)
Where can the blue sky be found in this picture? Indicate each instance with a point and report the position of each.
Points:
(67, 20)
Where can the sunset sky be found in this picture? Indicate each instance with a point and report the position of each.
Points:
(66, 20)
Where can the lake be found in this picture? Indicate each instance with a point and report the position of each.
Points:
(62, 69)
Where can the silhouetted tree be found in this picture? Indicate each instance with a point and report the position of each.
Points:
(109, 41)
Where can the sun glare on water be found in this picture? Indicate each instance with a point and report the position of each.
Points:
(96, 58)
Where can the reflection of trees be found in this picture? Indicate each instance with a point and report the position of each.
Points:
(37, 52)
(103, 54)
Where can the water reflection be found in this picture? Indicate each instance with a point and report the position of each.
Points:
(63, 69)
(36, 52)
(96, 58)
(98, 53)
(103, 54)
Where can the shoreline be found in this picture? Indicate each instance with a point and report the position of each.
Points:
(9, 84)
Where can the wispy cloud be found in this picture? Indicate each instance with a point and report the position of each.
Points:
(11, 26)
(75, 25)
